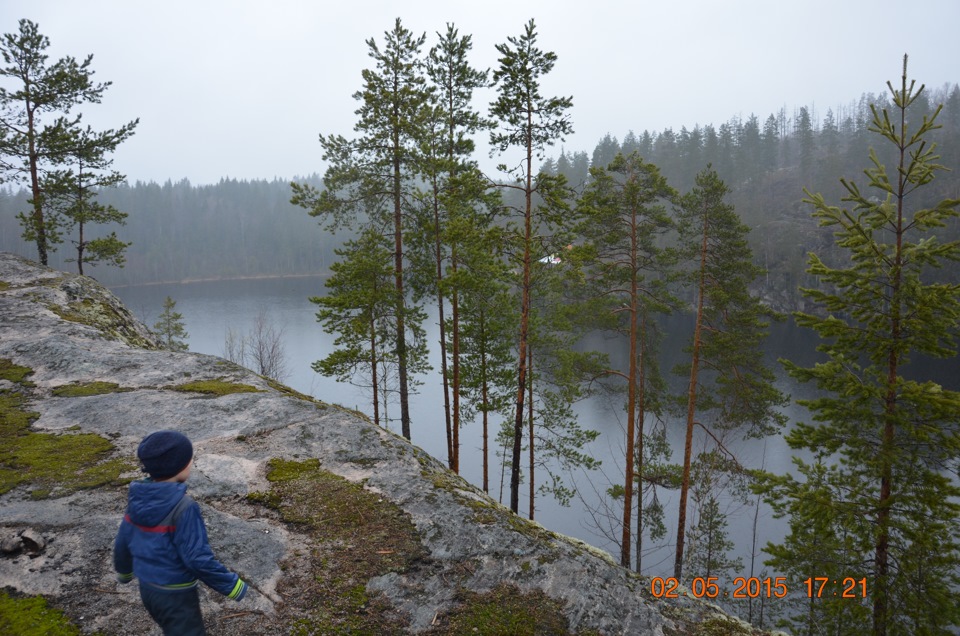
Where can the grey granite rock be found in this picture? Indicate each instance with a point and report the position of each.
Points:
(68, 329)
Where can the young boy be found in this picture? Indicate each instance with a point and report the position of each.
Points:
(163, 540)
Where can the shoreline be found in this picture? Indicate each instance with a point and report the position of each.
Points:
(218, 279)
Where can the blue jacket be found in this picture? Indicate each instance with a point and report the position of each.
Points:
(165, 544)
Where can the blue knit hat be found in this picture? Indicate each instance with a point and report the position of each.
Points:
(165, 453)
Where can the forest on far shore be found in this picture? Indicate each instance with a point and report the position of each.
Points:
(233, 229)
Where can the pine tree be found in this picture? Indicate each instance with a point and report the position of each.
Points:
(37, 127)
(886, 442)
(73, 193)
(170, 327)
(529, 121)
(713, 475)
(624, 222)
(730, 387)
(358, 308)
(373, 178)
(487, 321)
(828, 540)
(446, 157)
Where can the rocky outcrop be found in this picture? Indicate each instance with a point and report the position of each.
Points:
(341, 527)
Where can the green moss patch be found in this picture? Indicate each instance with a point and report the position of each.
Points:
(216, 388)
(50, 464)
(30, 616)
(355, 535)
(88, 388)
(505, 610)
(13, 419)
(13, 372)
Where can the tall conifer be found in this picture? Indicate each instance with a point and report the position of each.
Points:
(528, 121)
(730, 387)
(885, 441)
(372, 179)
(447, 152)
(624, 223)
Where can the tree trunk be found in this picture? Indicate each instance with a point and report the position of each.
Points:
(521, 386)
(524, 325)
(80, 246)
(80, 242)
(691, 408)
(39, 225)
(484, 396)
(882, 556)
(456, 376)
(398, 282)
(631, 420)
(532, 476)
(373, 371)
(641, 416)
(451, 450)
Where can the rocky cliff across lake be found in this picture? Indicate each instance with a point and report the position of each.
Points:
(341, 527)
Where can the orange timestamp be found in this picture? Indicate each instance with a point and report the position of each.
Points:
(756, 587)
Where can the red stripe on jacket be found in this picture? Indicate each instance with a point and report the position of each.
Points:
(149, 528)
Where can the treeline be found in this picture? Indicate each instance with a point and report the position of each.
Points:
(238, 228)
(767, 164)
(180, 231)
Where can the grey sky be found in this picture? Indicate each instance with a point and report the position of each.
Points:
(241, 89)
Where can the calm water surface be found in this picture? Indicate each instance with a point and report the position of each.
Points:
(210, 309)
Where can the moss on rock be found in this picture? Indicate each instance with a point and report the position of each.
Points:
(216, 388)
(30, 616)
(723, 626)
(355, 535)
(51, 464)
(55, 465)
(83, 389)
(505, 610)
(284, 389)
(112, 320)
(14, 373)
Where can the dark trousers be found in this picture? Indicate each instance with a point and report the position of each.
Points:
(177, 611)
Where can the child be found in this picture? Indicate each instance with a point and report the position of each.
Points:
(163, 541)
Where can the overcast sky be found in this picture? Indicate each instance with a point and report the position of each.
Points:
(241, 89)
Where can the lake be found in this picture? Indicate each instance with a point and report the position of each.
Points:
(209, 309)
